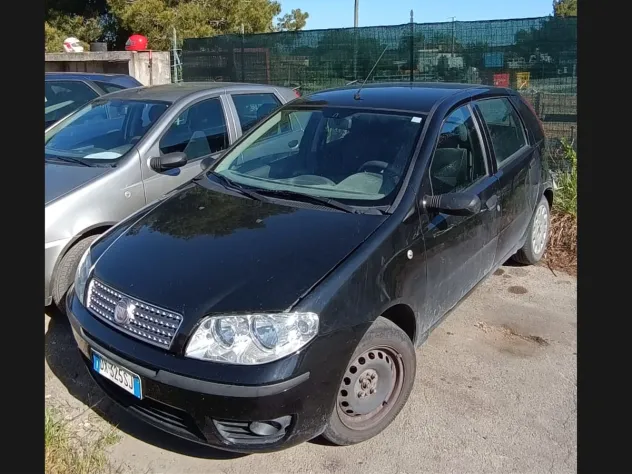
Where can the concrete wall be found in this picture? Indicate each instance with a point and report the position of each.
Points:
(150, 68)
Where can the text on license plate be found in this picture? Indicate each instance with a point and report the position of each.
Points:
(117, 374)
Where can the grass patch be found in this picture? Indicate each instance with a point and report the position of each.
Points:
(562, 248)
(68, 453)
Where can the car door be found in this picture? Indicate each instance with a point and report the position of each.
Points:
(199, 131)
(513, 159)
(61, 97)
(460, 250)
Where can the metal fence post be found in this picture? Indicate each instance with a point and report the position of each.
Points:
(412, 47)
(243, 57)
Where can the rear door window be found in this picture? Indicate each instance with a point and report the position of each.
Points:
(64, 97)
(504, 125)
(198, 131)
(252, 108)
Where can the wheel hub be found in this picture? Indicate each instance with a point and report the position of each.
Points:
(367, 383)
(540, 229)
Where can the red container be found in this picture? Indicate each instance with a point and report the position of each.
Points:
(501, 80)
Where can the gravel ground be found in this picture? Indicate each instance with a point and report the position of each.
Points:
(495, 392)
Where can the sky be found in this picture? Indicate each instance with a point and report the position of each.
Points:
(339, 13)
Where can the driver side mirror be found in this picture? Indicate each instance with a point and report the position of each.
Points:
(168, 162)
(456, 204)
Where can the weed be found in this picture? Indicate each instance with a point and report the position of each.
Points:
(68, 453)
(562, 249)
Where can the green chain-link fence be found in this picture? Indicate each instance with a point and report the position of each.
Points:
(537, 56)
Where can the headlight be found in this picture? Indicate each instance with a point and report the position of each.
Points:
(252, 338)
(81, 277)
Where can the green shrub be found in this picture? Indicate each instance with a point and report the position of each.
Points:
(566, 180)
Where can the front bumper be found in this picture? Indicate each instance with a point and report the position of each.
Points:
(218, 414)
(52, 251)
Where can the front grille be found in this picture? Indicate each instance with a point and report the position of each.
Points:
(149, 323)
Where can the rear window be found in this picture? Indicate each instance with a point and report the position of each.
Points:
(63, 97)
(109, 87)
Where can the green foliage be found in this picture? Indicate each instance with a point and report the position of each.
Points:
(294, 21)
(565, 7)
(115, 20)
(53, 39)
(566, 180)
(58, 27)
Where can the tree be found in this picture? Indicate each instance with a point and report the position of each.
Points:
(53, 39)
(115, 20)
(59, 27)
(565, 7)
(294, 21)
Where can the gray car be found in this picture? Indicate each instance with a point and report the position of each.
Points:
(124, 150)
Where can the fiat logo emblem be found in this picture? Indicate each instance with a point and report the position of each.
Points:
(124, 311)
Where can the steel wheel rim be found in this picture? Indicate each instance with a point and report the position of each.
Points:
(379, 374)
(540, 229)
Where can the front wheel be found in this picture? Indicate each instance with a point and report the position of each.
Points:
(65, 274)
(375, 385)
(537, 235)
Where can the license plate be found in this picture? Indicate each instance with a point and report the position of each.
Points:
(122, 377)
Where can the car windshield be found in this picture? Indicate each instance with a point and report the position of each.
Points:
(357, 156)
(102, 131)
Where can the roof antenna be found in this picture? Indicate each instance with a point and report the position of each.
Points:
(357, 94)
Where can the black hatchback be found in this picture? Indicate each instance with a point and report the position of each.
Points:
(280, 294)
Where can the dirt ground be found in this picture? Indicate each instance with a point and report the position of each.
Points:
(495, 392)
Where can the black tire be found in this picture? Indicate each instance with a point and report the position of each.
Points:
(383, 345)
(530, 253)
(65, 273)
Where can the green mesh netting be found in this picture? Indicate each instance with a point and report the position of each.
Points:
(537, 56)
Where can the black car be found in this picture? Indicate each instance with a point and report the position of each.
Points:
(65, 92)
(280, 295)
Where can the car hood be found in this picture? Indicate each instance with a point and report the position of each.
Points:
(202, 252)
(60, 179)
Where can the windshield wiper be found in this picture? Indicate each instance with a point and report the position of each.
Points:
(68, 159)
(227, 183)
(259, 194)
(325, 201)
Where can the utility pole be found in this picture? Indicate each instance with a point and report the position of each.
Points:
(355, 39)
(412, 46)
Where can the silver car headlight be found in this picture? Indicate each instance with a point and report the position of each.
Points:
(81, 277)
(251, 339)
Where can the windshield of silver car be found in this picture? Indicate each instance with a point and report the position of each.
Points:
(359, 156)
(103, 130)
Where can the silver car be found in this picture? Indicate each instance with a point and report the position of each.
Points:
(126, 149)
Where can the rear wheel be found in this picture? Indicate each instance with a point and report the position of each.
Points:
(65, 274)
(375, 385)
(537, 235)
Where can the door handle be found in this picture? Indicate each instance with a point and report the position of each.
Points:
(492, 202)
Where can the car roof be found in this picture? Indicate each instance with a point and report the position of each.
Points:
(174, 92)
(419, 97)
(121, 79)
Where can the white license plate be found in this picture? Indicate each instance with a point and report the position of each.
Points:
(115, 373)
